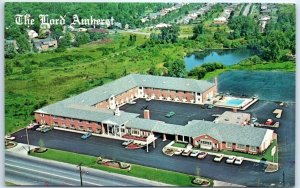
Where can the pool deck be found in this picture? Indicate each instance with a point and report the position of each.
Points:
(239, 107)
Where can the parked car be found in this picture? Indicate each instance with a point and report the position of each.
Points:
(269, 122)
(238, 160)
(41, 127)
(170, 114)
(195, 153)
(230, 159)
(86, 135)
(131, 102)
(127, 142)
(178, 151)
(33, 126)
(9, 137)
(202, 155)
(148, 99)
(210, 106)
(218, 158)
(46, 129)
(186, 152)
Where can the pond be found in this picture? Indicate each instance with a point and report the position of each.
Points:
(226, 57)
(267, 85)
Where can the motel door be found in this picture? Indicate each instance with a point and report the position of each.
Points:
(206, 144)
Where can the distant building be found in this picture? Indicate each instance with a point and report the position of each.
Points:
(11, 43)
(44, 44)
(162, 25)
(32, 34)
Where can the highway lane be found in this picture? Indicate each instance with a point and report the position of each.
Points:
(27, 170)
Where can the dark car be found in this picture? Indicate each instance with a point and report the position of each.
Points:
(144, 107)
(33, 126)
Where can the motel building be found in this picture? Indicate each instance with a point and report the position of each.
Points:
(97, 111)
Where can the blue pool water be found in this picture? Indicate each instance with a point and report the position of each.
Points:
(234, 102)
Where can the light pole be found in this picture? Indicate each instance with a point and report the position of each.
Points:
(80, 173)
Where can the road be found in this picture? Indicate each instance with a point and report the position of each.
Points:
(27, 170)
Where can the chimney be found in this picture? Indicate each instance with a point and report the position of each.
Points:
(146, 114)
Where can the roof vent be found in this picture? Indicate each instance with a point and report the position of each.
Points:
(164, 82)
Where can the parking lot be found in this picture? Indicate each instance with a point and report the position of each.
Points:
(248, 173)
(183, 112)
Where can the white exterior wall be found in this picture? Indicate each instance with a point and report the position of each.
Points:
(267, 139)
(198, 99)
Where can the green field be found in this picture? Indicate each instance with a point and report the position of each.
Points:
(164, 176)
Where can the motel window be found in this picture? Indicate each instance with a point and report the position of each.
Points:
(241, 146)
(252, 148)
(135, 131)
(140, 87)
(80, 127)
(205, 142)
(55, 124)
(198, 94)
(228, 145)
(72, 126)
(42, 115)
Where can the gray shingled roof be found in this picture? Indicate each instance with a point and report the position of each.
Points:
(172, 83)
(128, 82)
(87, 113)
(246, 135)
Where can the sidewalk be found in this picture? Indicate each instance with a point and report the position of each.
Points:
(225, 184)
(20, 148)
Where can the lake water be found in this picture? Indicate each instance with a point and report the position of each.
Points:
(226, 57)
(267, 85)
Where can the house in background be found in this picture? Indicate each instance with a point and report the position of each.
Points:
(11, 43)
(44, 44)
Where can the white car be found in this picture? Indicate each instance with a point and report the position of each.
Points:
(148, 99)
(195, 153)
(218, 158)
(178, 152)
(186, 152)
(131, 102)
(230, 159)
(239, 160)
(8, 137)
(127, 142)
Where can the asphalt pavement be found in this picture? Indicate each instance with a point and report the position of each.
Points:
(27, 170)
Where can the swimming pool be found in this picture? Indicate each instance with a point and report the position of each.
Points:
(234, 102)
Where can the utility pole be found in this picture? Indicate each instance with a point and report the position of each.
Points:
(80, 173)
(27, 141)
(283, 181)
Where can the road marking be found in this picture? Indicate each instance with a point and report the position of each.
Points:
(38, 177)
(53, 174)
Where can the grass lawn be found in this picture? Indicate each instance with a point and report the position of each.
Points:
(266, 155)
(179, 144)
(164, 176)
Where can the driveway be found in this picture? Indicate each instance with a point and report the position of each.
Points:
(250, 174)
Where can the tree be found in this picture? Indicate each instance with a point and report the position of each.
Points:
(82, 38)
(177, 69)
(23, 43)
(197, 30)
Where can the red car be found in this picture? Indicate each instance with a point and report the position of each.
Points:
(269, 122)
